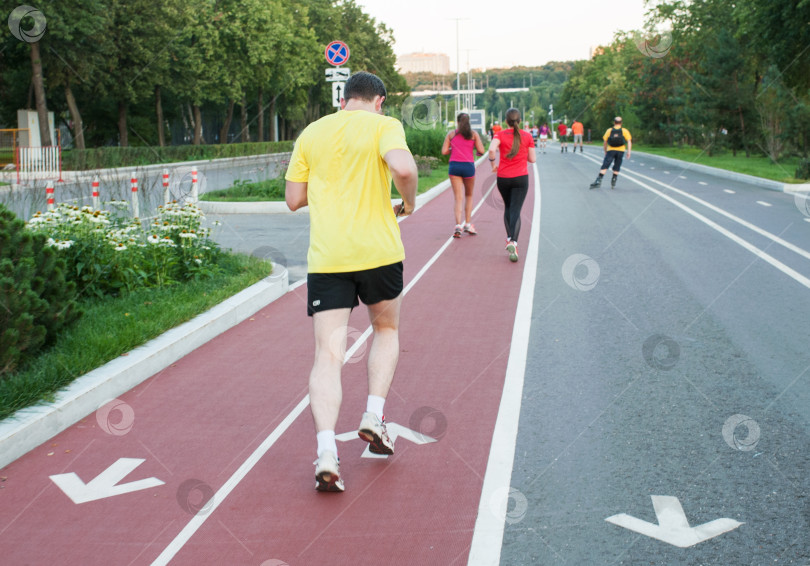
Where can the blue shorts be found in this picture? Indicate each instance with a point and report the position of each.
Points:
(465, 169)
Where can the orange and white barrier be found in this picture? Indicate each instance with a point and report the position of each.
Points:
(135, 208)
(95, 193)
(194, 185)
(49, 194)
(165, 186)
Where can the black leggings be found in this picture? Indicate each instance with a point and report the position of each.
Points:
(513, 191)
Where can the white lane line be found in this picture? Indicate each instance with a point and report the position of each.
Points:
(495, 494)
(666, 172)
(702, 183)
(807, 219)
(729, 191)
(222, 493)
(763, 203)
(774, 238)
(798, 277)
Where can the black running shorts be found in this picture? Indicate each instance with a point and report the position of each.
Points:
(328, 291)
(615, 157)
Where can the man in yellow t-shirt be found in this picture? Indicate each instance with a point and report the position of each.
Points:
(616, 140)
(341, 167)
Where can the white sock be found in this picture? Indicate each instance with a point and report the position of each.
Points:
(326, 441)
(375, 405)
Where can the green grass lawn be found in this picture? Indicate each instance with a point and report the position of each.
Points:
(113, 326)
(759, 166)
(271, 189)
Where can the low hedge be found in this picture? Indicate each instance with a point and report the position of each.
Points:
(109, 157)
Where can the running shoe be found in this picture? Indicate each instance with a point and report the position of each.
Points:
(470, 229)
(373, 431)
(457, 231)
(327, 472)
(613, 181)
(512, 249)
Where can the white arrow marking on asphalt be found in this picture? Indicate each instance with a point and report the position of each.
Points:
(394, 431)
(105, 484)
(672, 527)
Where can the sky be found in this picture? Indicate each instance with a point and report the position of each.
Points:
(507, 33)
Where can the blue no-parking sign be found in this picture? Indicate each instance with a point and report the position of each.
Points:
(337, 53)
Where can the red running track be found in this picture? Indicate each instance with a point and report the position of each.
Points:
(195, 423)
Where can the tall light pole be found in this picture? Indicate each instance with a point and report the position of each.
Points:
(458, 67)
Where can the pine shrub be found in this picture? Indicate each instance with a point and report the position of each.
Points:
(36, 301)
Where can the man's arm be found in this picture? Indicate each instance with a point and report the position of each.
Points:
(406, 178)
(629, 147)
(296, 195)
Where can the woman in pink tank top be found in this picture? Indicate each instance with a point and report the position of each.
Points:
(459, 144)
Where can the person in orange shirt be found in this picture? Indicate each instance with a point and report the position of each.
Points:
(578, 130)
(496, 129)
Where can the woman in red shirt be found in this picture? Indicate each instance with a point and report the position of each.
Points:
(459, 144)
(516, 149)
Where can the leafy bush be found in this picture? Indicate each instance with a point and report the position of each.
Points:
(107, 254)
(425, 164)
(803, 170)
(35, 299)
(109, 157)
(426, 142)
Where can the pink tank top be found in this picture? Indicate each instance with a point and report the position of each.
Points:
(461, 149)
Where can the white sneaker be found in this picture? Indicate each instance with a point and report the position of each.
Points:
(373, 431)
(511, 247)
(457, 231)
(327, 472)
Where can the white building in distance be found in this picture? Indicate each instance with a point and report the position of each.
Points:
(436, 63)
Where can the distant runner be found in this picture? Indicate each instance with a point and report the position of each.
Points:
(516, 149)
(562, 131)
(459, 145)
(544, 132)
(616, 140)
(578, 130)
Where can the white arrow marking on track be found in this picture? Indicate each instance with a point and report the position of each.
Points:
(394, 432)
(105, 484)
(672, 527)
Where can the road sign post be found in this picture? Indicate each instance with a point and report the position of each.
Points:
(337, 53)
(337, 93)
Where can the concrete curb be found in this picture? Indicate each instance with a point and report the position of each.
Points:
(279, 207)
(730, 175)
(29, 428)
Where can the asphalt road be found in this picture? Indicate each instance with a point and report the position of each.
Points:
(668, 357)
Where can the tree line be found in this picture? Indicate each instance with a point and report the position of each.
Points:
(117, 72)
(715, 74)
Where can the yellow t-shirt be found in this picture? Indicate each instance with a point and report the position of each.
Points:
(626, 135)
(352, 224)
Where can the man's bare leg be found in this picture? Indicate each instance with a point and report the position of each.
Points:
(384, 352)
(325, 391)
